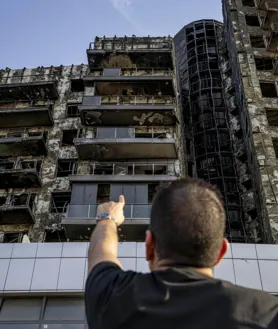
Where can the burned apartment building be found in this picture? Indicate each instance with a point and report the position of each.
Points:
(251, 30)
(141, 113)
(73, 137)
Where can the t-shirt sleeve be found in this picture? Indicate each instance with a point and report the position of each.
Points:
(104, 281)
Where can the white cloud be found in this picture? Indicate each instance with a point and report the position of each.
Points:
(125, 8)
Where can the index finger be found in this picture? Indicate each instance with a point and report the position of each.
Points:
(122, 199)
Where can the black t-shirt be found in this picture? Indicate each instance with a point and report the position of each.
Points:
(176, 298)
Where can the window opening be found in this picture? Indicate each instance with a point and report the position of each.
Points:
(77, 85)
(59, 202)
(66, 168)
(252, 20)
(268, 89)
(72, 110)
(103, 193)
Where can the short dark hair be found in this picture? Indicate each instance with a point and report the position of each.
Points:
(188, 223)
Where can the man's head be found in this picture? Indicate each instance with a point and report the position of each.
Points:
(187, 225)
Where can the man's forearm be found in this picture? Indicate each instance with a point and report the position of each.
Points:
(103, 244)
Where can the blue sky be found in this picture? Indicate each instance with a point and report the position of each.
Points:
(54, 32)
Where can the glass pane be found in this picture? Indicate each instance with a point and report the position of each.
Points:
(62, 326)
(19, 326)
(21, 309)
(64, 309)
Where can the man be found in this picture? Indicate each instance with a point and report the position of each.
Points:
(184, 243)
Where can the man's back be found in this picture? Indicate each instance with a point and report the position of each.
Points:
(174, 298)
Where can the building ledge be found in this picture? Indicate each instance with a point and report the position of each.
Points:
(126, 148)
(122, 178)
(25, 117)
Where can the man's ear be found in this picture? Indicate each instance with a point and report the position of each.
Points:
(149, 241)
(224, 249)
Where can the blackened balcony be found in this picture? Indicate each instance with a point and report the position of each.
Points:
(80, 221)
(20, 173)
(271, 15)
(12, 116)
(273, 37)
(40, 90)
(126, 148)
(117, 75)
(128, 143)
(155, 50)
(22, 142)
(127, 110)
(130, 172)
(17, 210)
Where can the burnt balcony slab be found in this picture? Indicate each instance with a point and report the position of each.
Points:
(25, 117)
(22, 145)
(16, 215)
(32, 90)
(126, 148)
(19, 178)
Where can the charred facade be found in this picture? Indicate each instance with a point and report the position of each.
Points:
(144, 112)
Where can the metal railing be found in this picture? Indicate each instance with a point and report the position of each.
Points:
(163, 71)
(21, 164)
(130, 44)
(135, 211)
(19, 200)
(136, 100)
(22, 132)
(136, 168)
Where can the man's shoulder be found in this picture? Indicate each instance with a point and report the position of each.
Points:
(256, 305)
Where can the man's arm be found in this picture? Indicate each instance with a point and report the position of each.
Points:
(104, 240)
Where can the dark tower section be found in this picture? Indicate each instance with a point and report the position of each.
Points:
(206, 116)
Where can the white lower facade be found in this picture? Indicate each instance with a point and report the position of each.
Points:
(61, 268)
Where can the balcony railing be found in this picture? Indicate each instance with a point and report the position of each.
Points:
(164, 71)
(22, 133)
(137, 168)
(136, 211)
(130, 44)
(136, 100)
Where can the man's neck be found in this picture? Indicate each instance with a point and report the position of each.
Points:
(164, 264)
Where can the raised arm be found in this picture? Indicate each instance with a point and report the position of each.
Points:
(104, 240)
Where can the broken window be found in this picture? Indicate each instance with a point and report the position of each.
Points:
(69, 136)
(268, 89)
(72, 110)
(55, 236)
(272, 116)
(257, 41)
(249, 3)
(59, 202)
(264, 64)
(103, 193)
(2, 200)
(102, 169)
(13, 237)
(77, 85)
(252, 20)
(19, 200)
(6, 164)
(152, 189)
(66, 168)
